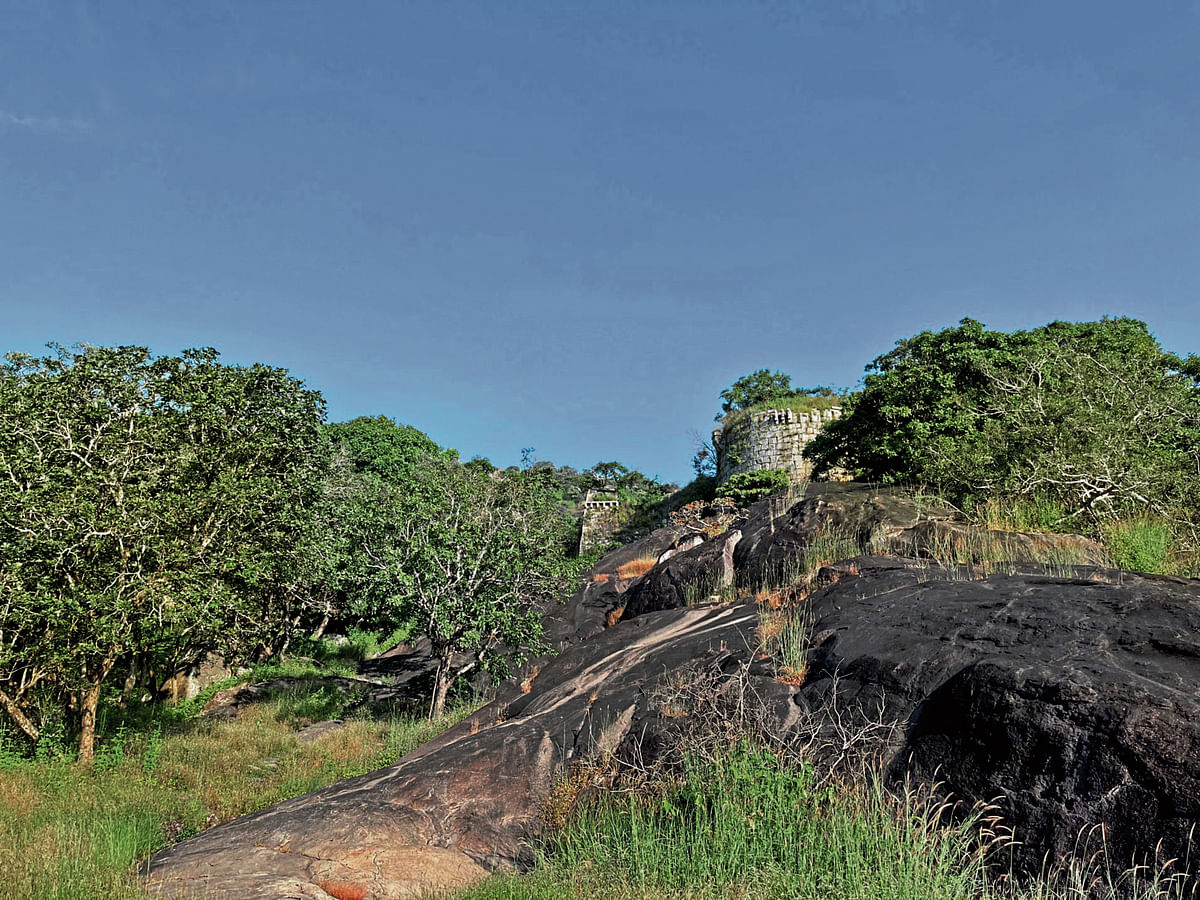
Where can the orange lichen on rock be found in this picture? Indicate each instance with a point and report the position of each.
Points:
(344, 890)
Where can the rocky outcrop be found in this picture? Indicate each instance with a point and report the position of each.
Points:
(1067, 694)
(836, 521)
(1071, 701)
(469, 800)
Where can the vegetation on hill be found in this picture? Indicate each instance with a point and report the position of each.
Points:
(1076, 425)
(157, 509)
(765, 389)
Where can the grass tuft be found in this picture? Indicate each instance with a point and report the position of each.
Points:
(636, 568)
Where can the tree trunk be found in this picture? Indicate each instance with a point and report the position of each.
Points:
(320, 632)
(87, 713)
(87, 724)
(441, 685)
(18, 716)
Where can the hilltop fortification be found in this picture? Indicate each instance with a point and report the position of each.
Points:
(769, 439)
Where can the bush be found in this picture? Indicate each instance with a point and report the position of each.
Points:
(747, 487)
(1140, 545)
(1090, 421)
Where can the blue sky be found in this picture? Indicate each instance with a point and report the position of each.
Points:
(569, 225)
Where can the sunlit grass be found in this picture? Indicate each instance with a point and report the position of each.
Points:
(751, 826)
(636, 568)
(68, 833)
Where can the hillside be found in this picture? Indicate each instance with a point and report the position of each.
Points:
(1005, 668)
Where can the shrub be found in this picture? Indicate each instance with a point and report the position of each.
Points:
(1140, 545)
(747, 487)
(981, 413)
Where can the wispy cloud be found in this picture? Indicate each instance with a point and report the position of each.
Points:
(42, 123)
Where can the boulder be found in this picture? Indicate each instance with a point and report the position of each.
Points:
(469, 800)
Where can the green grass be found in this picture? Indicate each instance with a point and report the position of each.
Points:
(68, 833)
(1151, 543)
(1037, 513)
(750, 826)
(1140, 545)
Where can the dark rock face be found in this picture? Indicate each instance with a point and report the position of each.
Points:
(1069, 696)
(862, 519)
(1070, 701)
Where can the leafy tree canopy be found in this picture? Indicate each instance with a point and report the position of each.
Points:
(381, 447)
(466, 554)
(1094, 416)
(758, 387)
(151, 509)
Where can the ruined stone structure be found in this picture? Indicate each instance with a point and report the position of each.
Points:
(600, 520)
(769, 439)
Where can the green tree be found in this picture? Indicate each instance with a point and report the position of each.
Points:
(468, 556)
(150, 510)
(379, 446)
(607, 474)
(748, 487)
(758, 387)
(1094, 416)
(374, 462)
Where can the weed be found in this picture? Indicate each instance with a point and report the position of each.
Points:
(636, 568)
(1140, 545)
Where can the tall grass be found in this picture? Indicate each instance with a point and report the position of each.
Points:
(977, 553)
(636, 568)
(1151, 543)
(750, 826)
(1140, 545)
(1037, 513)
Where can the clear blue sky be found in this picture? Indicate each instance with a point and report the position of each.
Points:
(569, 225)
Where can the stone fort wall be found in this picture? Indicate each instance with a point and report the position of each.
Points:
(600, 520)
(769, 439)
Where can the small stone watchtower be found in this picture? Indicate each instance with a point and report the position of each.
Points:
(600, 519)
(769, 439)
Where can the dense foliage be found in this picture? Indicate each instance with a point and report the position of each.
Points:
(1092, 418)
(747, 487)
(157, 509)
(151, 509)
(761, 386)
(465, 552)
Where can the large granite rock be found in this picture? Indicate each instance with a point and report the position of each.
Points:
(1073, 702)
(1067, 694)
(467, 801)
(771, 540)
